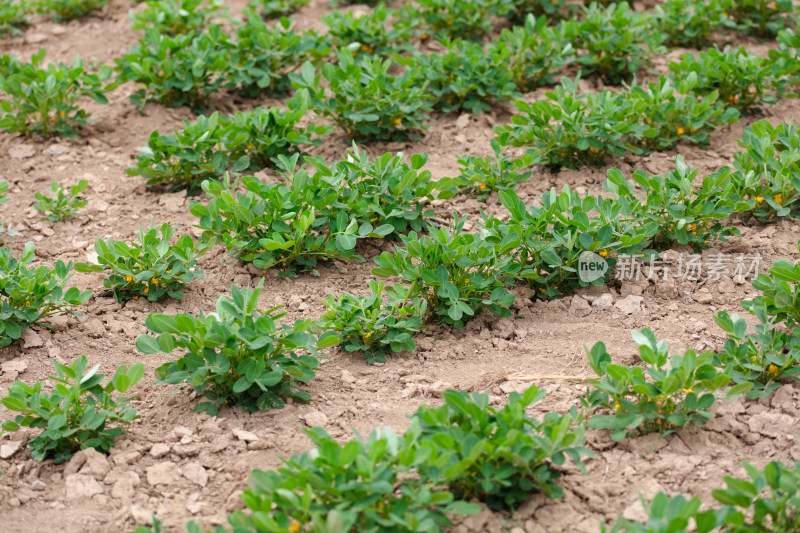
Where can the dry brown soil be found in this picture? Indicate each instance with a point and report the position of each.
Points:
(182, 466)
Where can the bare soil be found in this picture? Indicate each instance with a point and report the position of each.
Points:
(182, 466)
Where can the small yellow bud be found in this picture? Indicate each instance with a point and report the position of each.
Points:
(759, 199)
(778, 198)
(129, 278)
(398, 121)
(680, 131)
(295, 527)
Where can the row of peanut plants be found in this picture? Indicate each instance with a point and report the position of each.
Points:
(462, 451)
(185, 60)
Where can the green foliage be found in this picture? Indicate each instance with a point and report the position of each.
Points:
(748, 509)
(763, 18)
(44, 100)
(386, 193)
(64, 10)
(62, 203)
(272, 9)
(293, 228)
(463, 78)
(613, 42)
(362, 486)
(78, 413)
(3, 229)
(366, 101)
(570, 130)
(481, 176)
(532, 52)
(184, 69)
(173, 17)
(211, 146)
(465, 20)
(780, 293)
(377, 324)
(152, 268)
(676, 115)
(674, 396)
(553, 9)
(764, 502)
(543, 245)
(28, 295)
(496, 456)
(264, 56)
(237, 355)
(457, 273)
(768, 171)
(370, 34)
(761, 359)
(739, 77)
(13, 17)
(673, 209)
(690, 24)
(668, 515)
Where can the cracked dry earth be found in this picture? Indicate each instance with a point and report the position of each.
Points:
(182, 466)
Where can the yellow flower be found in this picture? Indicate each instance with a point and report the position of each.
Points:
(603, 253)
(146, 290)
(169, 271)
(398, 121)
(759, 199)
(155, 281)
(778, 198)
(367, 335)
(616, 405)
(128, 278)
(773, 369)
(482, 186)
(680, 131)
(423, 36)
(542, 289)
(27, 302)
(295, 527)
(687, 391)
(250, 146)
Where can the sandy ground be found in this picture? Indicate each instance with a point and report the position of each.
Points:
(181, 466)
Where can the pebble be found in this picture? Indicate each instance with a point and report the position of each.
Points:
(8, 449)
(244, 435)
(164, 473)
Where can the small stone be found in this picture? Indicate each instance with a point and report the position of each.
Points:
(164, 473)
(21, 151)
(579, 307)
(462, 122)
(771, 424)
(96, 463)
(81, 487)
(315, 419)
(244, 435)
(440, 386)
(15, 366)
(603, 301)
(195, 473)
(56, 150)
(38, 485)
(630, 304)
(703, 296)
(8, 449)
(141, 516)
(504, 328)
(75, 464)
(31, 339)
